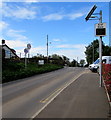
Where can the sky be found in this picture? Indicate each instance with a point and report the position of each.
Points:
(63, 22)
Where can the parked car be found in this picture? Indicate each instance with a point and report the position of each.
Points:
(95, 66)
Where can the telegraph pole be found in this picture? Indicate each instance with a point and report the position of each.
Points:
(47, 48)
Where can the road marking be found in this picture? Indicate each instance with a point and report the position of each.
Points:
(48, 101)
(52, 94)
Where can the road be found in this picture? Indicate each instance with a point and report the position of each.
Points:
(26, 98)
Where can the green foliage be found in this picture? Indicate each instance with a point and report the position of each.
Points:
(60, 60)
(73, 63)
(92, 51)
(10, 74)
(82, 62)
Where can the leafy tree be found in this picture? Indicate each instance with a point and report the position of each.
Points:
(82, 62)
(74, 63)
(66, 60)
(60, 60)
(92, 51)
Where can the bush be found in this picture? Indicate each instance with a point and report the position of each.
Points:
(106, 71)
(17, 72)
(107, 77)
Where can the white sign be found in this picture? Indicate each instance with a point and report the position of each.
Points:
(100, 29)
(41, 62)
(28, 46)
(101, 25)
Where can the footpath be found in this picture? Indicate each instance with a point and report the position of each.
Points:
(82, 99)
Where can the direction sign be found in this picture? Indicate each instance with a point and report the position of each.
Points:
(100, 29)
(26, 50)
(28, 46)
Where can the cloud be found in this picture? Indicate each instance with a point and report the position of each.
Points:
(33, 51)
(30, 1)
(18, 12)
(14, 34)
(16, 43)
(3, 25)
(73, 52)
(75, 15)
(54, 16)
(76, 46)
(56, 40)
(60, 16)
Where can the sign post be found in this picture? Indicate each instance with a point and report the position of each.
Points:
(100, 31)
(100, 53)
(26, 51)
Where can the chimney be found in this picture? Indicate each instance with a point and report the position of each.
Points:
(3, 42)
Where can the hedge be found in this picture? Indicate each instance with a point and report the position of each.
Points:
(106, 72)
(14, 73)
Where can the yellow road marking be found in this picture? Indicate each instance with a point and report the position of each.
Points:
(59, 89)
(51, 95)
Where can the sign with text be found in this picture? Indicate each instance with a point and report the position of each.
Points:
(41, 62)
(100, 29)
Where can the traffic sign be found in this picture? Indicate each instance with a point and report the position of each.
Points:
(100, 29)
(26, 50)
(28, 46)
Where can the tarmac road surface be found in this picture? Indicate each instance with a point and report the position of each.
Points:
(26, 98)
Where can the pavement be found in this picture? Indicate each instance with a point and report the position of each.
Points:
(81, 99)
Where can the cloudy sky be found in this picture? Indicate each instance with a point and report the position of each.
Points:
(64, 23)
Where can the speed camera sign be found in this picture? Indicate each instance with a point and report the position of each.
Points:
(100, 29)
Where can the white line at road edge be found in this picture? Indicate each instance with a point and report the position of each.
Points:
(37, 113)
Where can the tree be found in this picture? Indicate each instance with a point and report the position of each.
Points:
(92, 51)
(61, 60)
(82, 62)
(74, 63)
(65, 59)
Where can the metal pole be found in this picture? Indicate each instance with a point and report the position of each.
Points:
(25, 61)
(47, 48)
(93, 51)
(20, 55)
(100, 53)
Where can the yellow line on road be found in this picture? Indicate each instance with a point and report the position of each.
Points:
(56, 91)
(51, 95)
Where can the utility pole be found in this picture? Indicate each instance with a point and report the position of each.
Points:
(47, 48)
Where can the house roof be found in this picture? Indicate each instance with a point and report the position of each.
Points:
(12, 50)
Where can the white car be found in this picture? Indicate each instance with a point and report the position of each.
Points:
(105, 59)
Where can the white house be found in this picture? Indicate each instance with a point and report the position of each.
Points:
(9, 53)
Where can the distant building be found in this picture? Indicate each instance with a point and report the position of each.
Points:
(8, 52)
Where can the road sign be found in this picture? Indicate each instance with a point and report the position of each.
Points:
(26, 50)
(100, 29)
(28, 46)
(41, 62)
